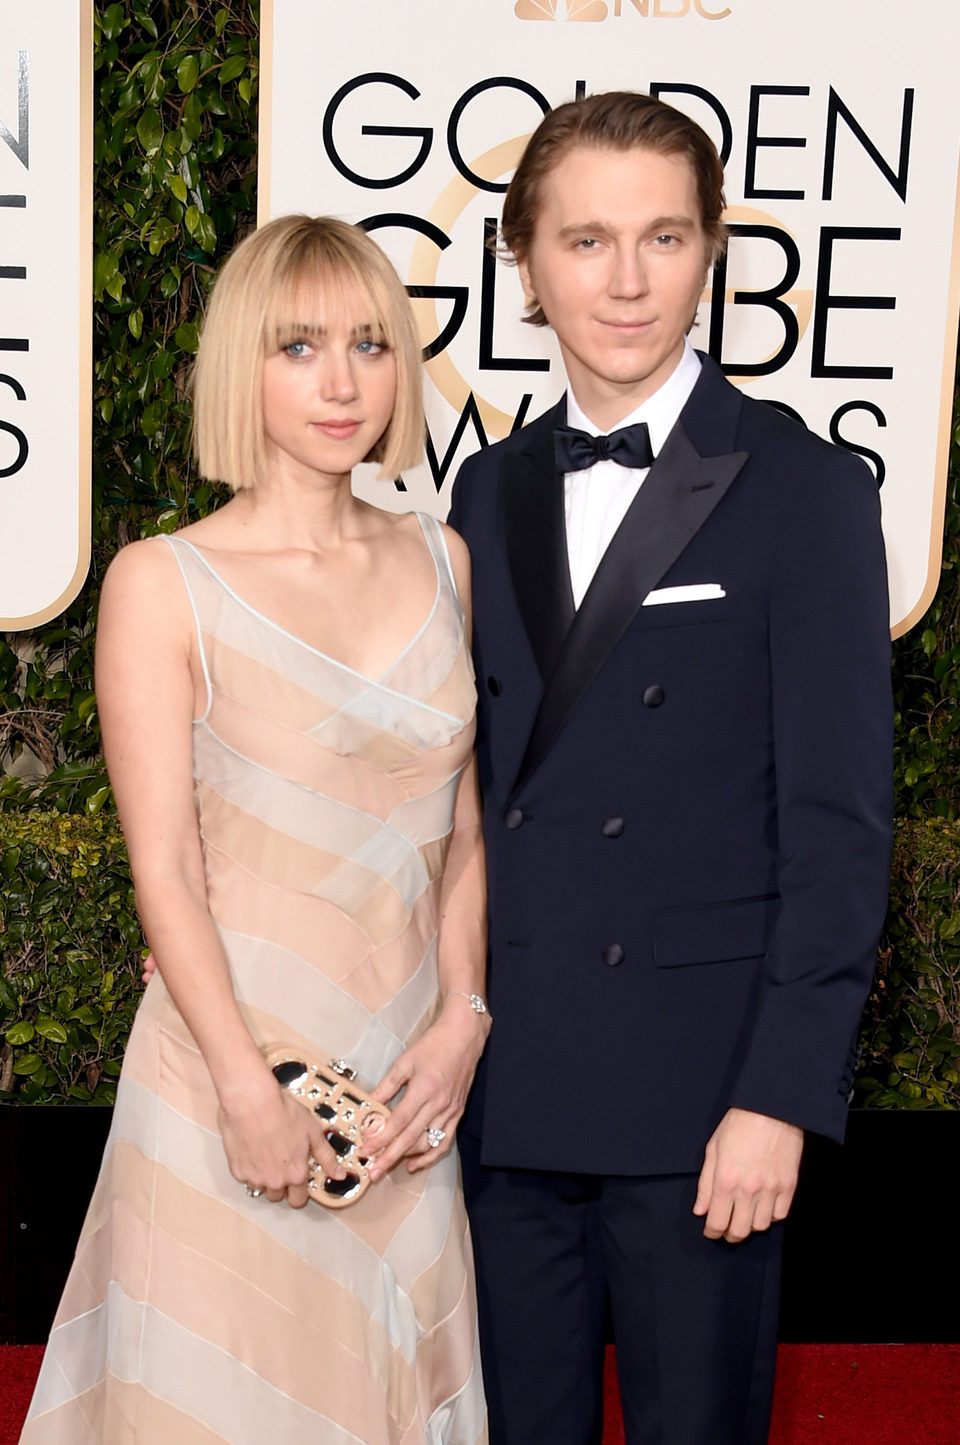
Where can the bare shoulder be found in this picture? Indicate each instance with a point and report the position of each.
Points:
(139, 564)
(458, 550)
(142, 589)
(459, 555)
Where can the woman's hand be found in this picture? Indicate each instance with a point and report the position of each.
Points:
(437, 1071)
(268, 1138)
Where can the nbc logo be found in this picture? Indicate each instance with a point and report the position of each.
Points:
(560, 10)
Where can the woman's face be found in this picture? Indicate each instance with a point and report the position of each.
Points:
(329, 385)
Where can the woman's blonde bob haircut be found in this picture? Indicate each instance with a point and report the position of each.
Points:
(266, 290)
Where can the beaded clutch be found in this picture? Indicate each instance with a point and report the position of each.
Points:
(350, 1118)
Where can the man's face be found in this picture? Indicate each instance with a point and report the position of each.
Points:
(618, 261)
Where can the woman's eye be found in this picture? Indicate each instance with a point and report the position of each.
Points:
(367, 347)
(297, 348)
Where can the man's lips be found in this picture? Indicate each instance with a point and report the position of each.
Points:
(616, 324)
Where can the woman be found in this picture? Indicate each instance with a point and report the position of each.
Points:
(286, 699)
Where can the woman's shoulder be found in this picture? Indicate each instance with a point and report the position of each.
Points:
(141, 564)
(142, 590)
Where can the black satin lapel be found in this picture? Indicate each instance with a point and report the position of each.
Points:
(537, 549)
(681, 490)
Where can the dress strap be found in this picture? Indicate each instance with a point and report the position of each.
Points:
(433, 534)
(184, 554)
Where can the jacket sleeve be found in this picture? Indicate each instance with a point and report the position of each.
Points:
(832, 725)
(459, 505)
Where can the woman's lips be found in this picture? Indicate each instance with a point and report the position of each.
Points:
(337, 430)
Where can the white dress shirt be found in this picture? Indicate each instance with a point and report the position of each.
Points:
(596, 499)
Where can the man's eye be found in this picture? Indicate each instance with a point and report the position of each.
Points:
(588, 243)
(665, 239)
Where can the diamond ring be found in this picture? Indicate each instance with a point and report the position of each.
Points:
(253, 1193)
(435, 1137)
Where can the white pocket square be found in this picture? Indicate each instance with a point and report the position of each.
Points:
(696, 592)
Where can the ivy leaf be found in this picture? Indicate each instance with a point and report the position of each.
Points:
(187, 72)
(113, 22)
(148, 25)
(96, 800)
(206, 233)
(186, 336)
(105, 266)
(52, 1031)
(150, 130)
(20, 1033)
(27, 1064)
(231, 68)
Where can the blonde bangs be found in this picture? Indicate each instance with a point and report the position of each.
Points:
(271, 287)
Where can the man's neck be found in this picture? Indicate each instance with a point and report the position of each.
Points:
(659, 408)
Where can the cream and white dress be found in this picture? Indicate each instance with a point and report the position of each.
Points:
(194, 1314)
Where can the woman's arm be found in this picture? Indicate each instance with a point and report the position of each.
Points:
(439, 1068)
(147, 671)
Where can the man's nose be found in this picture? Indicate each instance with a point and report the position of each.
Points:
(629, 277)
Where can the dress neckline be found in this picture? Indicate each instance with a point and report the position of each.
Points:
(308, 646)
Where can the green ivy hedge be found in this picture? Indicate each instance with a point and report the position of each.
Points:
(911, 1026)
(70, 954)
(175, 188)
(71, 950)
(175, 137)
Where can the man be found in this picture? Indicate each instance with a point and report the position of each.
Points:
(685, 734)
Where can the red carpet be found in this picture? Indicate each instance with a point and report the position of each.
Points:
(826, 1395)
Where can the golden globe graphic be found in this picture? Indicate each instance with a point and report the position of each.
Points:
(560, 10)
(837, 300)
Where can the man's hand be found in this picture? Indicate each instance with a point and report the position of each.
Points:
(749, 1174)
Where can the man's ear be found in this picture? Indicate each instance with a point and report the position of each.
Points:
(526, 280)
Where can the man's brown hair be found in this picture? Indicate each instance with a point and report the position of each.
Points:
(618, 120)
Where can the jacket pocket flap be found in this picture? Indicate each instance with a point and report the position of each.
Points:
(714, 932)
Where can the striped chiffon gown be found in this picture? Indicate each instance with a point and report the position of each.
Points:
(194, 1314)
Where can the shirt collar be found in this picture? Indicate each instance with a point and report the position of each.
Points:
(660, 411)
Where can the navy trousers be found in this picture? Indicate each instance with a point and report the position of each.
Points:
(694, 1320)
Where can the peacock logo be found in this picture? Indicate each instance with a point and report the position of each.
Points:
(561, 10)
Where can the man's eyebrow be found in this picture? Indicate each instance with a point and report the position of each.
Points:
(659, 223)
(673, 223)
(580, 227)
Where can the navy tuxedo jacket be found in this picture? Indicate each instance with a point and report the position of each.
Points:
(687, 806)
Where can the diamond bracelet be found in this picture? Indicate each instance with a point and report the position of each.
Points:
(473, 999)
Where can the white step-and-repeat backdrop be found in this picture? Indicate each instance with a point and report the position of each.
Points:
(46, 238)
(840, 128)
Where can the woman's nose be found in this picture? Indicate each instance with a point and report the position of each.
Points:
(338, 382)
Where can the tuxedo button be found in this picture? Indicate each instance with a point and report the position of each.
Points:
(612, 827)
(514, 818)
(493, 683)
(653, 696)
(613, 954)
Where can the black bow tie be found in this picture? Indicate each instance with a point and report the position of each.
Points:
(574, 450)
